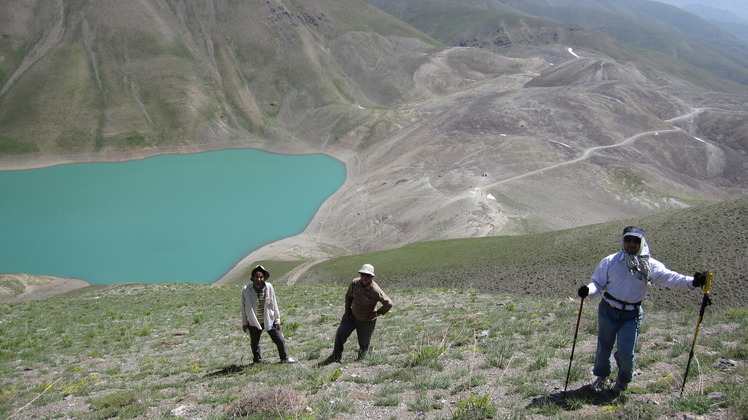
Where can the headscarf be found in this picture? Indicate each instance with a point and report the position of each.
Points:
(638, 262)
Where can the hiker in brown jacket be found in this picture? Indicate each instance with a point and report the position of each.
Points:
(360, 313)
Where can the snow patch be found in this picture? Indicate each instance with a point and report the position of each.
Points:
(571, 51)
(558, 142)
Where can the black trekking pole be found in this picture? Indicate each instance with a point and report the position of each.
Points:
(574, 344)
(705, 301)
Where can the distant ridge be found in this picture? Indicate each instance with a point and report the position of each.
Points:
(644, 24)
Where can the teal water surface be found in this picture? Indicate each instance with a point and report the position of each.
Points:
(170, 218)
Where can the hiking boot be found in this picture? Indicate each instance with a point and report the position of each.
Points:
(329, 360)
(620, 387)
(598, 384)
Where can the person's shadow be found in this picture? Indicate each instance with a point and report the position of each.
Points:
(227, 370)
(574, 399)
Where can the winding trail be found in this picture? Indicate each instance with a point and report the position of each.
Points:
(294, 275)
(482, 199)
(583, 156)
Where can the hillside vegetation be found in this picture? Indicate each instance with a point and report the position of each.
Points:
(154, 351)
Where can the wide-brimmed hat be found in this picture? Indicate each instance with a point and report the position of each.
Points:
(264, 272)
(367, 269)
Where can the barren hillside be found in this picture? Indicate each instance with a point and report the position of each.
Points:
(529, 147)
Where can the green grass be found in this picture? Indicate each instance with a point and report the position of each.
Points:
(474, 408)
(12, 147)
(704, 237)
(121, 404)
(125, 349)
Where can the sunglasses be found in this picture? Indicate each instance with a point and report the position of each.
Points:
(633, 239)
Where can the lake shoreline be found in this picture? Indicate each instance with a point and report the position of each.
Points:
(40, 287)
(26, 162)
(301, 244)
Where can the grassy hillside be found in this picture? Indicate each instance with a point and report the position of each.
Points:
(711, 237)
(84, 78)
(177, 350)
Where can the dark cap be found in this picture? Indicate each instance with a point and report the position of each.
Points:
(633, 231)
(264, 272)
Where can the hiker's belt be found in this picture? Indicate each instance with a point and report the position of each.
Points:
(621, 305)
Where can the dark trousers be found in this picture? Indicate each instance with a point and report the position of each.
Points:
(364, 330)
(275, 335)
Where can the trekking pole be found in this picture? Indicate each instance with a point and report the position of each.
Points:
(574, 344)
(705, 301)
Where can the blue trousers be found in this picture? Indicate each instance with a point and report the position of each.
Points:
(620, 326)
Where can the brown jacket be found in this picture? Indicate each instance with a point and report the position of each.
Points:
(362, 301)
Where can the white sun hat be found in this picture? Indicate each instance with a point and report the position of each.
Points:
(367, 269)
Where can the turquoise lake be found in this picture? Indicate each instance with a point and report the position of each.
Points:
(164, 219)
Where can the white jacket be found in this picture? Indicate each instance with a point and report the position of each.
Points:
(249, 307)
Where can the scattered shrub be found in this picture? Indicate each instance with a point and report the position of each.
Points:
(121, 404)
(277, 401)
(475, 408)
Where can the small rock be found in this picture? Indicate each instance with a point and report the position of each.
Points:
(358, 395)
(180, 411)
(725, 365)
(716, 395)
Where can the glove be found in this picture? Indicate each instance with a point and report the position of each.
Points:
(699, 279)
(584, 291)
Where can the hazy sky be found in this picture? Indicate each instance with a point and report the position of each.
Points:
(737, 8)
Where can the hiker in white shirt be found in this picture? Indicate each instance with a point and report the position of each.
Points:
(623, 280)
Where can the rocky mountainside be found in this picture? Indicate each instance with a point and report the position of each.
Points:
(505, 25)
(440, 140)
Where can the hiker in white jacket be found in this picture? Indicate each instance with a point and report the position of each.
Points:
(260, 313)
(623, 280)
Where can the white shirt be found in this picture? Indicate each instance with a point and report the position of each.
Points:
(612, 275)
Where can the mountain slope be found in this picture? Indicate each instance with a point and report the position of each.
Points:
(439, 142)
(101, 76)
